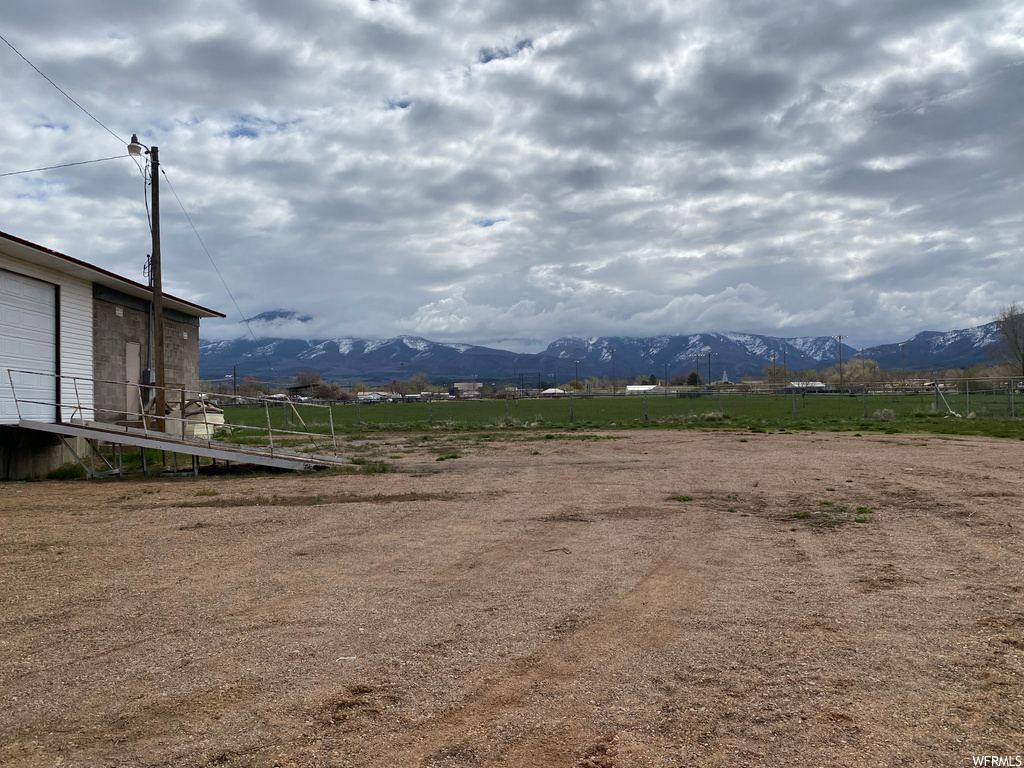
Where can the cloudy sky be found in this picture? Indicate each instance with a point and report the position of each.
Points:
(512, 171)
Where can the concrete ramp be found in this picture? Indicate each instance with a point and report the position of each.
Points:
(96, 432)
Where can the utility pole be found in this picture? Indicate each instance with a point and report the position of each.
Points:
(135, 149)
(158, 293)
(839, 339)
(156, 272)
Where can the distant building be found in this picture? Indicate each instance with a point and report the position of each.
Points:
(644, 389)
(466, 389)
(807, 386)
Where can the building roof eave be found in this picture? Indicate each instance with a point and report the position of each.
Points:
(46, 257)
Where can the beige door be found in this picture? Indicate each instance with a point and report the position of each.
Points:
(133, 376)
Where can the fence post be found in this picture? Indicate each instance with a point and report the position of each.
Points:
(721, 408)
(794, 403)
(358, 420)
(430, 409)
(334, 438)
(270, 431)
(646, 417)
(865, 395)
(967, 389)
(1010, 411)
(936, 408)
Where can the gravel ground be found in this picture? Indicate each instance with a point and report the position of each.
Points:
(629, 599)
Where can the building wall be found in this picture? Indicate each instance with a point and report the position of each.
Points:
(118, 319)
(74, 323)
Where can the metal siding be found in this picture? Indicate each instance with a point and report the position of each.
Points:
(28, 347)
(75, 352)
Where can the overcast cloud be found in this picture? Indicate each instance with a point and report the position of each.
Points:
(508, 172)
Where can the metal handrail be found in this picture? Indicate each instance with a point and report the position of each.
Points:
(80, 410)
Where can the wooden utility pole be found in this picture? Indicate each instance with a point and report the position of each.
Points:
(158, 294)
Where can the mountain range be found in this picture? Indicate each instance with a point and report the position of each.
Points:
(735, 355)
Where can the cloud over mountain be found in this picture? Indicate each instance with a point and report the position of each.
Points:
(512, 172)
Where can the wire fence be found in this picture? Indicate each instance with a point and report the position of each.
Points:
(988, 405)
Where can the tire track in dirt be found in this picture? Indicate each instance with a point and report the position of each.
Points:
(528, 694)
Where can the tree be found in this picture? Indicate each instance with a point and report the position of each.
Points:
(420, 382)
(329, 391)
(307, 379)
(221, 387)
(1010, 322)
(774, 374)
(861, 370)
(830, 375)
(694, 379)
(251, 387)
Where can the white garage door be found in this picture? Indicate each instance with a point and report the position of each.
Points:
(28, 342)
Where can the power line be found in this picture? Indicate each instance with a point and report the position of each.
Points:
(62, 91)
(245, 321)
(170, 186)
(65, 165)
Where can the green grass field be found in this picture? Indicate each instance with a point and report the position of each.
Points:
(758, 413)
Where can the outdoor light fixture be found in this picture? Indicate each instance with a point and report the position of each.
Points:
(135, 149)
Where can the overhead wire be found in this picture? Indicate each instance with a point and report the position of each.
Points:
(63, 165)
(245, 320)
(149, 216)
(47, 79)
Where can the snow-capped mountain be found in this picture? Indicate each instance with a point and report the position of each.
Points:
(933, 349)
(733, 354)
(350, 358)
(278, 317)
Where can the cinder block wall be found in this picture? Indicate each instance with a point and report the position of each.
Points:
(111, 332)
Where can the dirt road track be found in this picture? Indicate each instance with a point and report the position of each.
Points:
(644, 599)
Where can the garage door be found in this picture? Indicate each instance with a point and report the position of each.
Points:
(28, 342)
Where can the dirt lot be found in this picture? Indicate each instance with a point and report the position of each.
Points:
(634, 599)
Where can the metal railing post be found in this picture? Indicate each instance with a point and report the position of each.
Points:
(270, 430)
(334, 439)
(78, 397)
(142, 411)
(17, 404)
